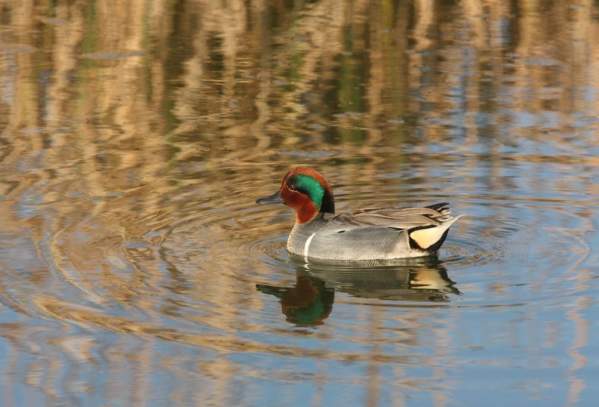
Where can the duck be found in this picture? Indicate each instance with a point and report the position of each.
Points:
(369, 236)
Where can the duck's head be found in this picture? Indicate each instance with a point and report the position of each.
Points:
(306, 191)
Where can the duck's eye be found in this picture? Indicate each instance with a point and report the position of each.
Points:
(292, 187)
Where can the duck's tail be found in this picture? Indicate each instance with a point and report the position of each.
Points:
(431, 238)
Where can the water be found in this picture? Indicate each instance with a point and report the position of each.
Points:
(135, 267)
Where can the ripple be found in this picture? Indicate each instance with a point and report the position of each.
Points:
(271, 250)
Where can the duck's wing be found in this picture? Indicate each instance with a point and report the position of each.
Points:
(426, 227)
(399, 218)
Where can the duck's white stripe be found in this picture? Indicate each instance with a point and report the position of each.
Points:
(307, 246)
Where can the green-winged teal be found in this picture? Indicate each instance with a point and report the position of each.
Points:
(368, 235)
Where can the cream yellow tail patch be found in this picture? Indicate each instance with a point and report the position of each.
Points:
(426, 238)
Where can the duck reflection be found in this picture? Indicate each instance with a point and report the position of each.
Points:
(310, 300)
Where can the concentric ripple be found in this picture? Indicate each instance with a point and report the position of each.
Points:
(208, 268)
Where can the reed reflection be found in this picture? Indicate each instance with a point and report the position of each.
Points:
(310, 300)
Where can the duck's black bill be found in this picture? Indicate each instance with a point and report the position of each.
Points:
(272, 199)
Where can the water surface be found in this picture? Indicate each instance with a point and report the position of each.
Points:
(135, 267)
